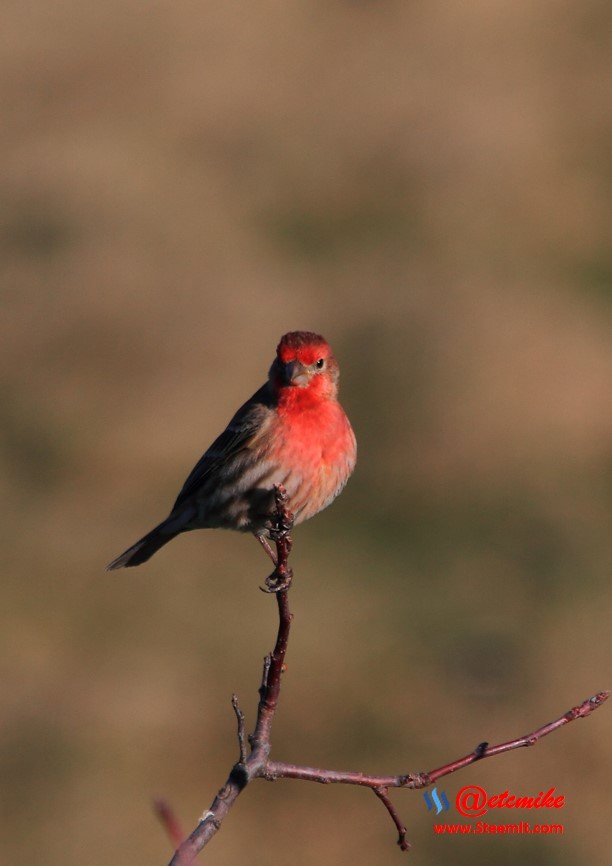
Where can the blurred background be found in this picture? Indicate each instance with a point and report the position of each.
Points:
(429, 186)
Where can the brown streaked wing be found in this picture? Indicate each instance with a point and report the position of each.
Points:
(239, 434)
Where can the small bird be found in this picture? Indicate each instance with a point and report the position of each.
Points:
(292, 432)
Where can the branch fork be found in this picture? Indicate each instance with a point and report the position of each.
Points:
(254, 761)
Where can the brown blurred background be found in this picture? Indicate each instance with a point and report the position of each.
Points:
(429, 185)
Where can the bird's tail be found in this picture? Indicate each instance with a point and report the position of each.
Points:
(150, 544)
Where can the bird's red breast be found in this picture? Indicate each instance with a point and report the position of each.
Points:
(316, 445)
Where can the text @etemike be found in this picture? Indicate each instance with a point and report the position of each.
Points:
(474, 802)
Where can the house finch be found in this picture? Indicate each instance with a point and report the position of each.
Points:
(292, 432)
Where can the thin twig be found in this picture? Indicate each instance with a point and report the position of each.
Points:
(402, 841)
(485, 751)
(241, 736)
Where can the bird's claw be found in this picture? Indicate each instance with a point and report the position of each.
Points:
(281, 537)
(279, 580)
(281, 530)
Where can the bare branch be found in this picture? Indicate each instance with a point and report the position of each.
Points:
(281, 770)
(252, 766)
(258, 764)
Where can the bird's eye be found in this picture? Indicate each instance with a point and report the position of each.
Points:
(320, 364)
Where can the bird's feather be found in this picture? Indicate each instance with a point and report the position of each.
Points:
(240, 434)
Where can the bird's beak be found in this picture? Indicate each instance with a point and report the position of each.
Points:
(295, 373)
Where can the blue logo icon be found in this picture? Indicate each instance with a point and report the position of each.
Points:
(439, 801)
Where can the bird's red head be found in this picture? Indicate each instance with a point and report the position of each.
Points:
(304, 360)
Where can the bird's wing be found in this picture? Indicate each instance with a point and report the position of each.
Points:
(246, 425)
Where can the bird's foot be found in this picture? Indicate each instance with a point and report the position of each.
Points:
(279, 580)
